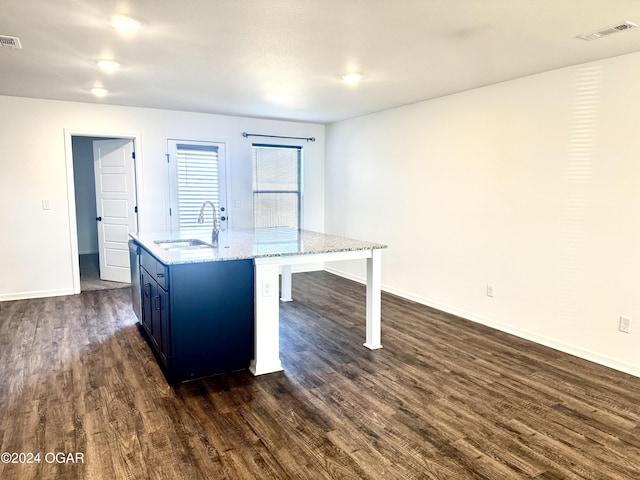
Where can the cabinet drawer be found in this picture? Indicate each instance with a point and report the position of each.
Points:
(156, 269)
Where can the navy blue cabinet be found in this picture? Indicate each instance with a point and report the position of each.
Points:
(198, 317)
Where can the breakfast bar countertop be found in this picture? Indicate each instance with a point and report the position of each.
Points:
(237, 244)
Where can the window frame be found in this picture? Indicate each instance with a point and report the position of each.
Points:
(300, 183)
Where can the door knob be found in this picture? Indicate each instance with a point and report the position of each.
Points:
(99, 219)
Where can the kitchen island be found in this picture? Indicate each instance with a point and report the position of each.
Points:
(270, 252)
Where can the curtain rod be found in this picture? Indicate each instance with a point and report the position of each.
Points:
(308, 139)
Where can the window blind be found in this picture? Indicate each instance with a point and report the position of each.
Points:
(198, 180)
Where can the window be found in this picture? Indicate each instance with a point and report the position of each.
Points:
(198, 175)
(277, 186)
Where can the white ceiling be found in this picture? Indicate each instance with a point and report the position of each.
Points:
(223, 56)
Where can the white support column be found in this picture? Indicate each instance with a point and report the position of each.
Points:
(286, 283)
(374, 298)
(266, 357)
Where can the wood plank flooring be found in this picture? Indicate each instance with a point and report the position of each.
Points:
(444, 399)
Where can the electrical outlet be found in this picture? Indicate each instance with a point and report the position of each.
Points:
(46, 205)
(267, 291)
(490, 289)
(625, 325)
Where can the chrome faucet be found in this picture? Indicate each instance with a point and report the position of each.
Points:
(216, 228)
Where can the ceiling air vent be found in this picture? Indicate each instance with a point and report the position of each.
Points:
(10, 42)
(608, 31)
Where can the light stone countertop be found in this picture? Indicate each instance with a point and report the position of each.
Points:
(237, 244)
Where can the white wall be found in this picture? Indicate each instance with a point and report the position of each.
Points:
(531, 185)
(36, 244)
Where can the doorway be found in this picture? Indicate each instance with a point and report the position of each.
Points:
(105, 209)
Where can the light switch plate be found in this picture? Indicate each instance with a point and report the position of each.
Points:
(625, 325)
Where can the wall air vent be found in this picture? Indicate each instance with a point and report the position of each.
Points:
(10, 42)
(607, 31)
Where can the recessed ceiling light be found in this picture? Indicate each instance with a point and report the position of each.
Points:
(99, 91)
(352, 78)
(124, 23)
(276, 97)
(108, 66)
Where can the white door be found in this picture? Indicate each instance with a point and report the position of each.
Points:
(115, 205)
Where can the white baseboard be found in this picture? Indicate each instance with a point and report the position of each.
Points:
(564, 347)
(36, 294)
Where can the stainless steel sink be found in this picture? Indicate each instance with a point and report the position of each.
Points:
(191, 244)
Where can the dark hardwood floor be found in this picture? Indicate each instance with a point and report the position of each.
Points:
(444, 399)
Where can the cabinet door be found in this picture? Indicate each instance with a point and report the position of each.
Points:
(161, 323)
(147, 288)
(155, 315)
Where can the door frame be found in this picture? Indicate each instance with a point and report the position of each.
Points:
(71, 191)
